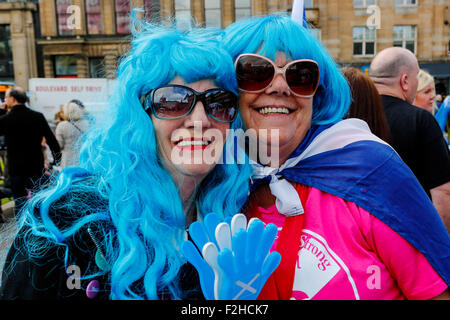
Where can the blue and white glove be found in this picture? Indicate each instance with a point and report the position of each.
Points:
(201, 237)
(236, 262)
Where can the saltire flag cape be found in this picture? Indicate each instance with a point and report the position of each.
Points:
(348, 161)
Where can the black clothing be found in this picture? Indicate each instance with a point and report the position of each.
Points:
(43, 275)
(417, 138)
(19, 187)
(27, 277)
(46, 278)
(24, 129)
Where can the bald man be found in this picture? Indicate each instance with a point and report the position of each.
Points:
(415, 134)
(24, 129)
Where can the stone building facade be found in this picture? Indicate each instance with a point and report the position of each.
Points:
(86, 39)
(17, 42)
(353, 31)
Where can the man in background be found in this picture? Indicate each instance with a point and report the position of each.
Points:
(415, 134)
(24, 129)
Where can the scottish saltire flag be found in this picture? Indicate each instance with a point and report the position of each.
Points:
(348, 161)
(298, 12)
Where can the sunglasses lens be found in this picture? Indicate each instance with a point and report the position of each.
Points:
(253, 73)
(221, 105)
(303, 77)
(172, 102)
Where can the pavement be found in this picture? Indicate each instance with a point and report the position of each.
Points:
(8, 209)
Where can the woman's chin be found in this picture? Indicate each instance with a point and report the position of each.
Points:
(195, 171)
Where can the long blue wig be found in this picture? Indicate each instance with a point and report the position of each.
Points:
(266, 35)
(122, 186)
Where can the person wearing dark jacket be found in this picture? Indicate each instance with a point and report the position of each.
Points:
(415, 133)
(24, 129)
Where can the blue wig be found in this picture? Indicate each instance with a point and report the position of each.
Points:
(137, 210)
(268, 35)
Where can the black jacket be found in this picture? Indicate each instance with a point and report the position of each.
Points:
(24, 129)
(45, 276)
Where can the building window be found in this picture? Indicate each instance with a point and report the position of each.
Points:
(62, 16)
(123, 20)
(152, 10)
(66, 66)
(404, 3)
(94, 17)
(183, 9)
(242, 9)
(213, 14)
(363, 41)
(97, 67)
(6, 60)
(363, 3)
(405, 37)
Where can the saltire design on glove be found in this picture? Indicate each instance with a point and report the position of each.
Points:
(235, 260)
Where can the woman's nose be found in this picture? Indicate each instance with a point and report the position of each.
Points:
(198, 115)
(278, 86)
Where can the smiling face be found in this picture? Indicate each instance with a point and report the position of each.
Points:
(190, 146)
(276, 108)
(425, 98)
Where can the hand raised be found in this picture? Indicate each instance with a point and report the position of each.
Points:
(237, 255)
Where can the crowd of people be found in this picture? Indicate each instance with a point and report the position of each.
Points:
(361, 177)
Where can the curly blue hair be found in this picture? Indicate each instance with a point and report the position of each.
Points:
(137, 207)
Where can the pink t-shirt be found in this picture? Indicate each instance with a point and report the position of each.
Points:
(347, 253)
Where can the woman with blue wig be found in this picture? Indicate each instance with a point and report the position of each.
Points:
(354, 222)
(112, 228)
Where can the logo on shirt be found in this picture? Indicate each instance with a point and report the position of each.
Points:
(316, 266)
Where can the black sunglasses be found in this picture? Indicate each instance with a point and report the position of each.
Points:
(176, 101)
